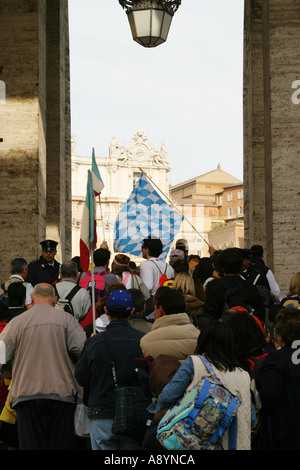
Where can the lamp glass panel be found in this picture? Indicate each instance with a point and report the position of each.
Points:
(157, 19)
(166, 26)
(142, 22)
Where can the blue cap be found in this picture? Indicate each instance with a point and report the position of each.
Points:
(119, 300)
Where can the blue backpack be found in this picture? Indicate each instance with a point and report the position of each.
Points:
(201, 418)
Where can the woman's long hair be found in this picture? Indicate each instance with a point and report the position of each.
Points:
(247, 336)
(294, 285)
(184, 283)
(215, 342)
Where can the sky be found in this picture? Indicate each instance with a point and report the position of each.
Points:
(186, 93)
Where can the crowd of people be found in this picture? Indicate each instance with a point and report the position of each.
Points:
(58, 332)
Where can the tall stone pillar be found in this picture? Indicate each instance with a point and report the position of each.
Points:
(272, 133)
(35, 153)
(58, 138)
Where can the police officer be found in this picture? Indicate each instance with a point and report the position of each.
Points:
(46, 268)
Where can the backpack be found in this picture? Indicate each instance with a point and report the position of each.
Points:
(201, 418)
(168, 283)
(290, 302)
(257, 277)
(65, 304)
(163, 277)
(4, 295)
(265, 294)
(99, 284)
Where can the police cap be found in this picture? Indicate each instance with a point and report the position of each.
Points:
(48, 245)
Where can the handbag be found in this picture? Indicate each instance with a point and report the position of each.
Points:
(131, 413)
(137, 283)
(81, 421)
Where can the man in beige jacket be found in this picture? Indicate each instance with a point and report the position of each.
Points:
(44, 344)
(172, 332)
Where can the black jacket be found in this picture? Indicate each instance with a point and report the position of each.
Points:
(93, 370)
(218, 289)
(40, 271)
(257, 270)
(278, 384)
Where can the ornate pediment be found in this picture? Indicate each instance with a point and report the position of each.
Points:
(138, 151)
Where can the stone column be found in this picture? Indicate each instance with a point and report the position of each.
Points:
(254, 187)
(58, 138)
(27, 139)
(272, 133)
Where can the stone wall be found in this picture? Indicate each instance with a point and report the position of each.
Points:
(29, 147)
(272, 133)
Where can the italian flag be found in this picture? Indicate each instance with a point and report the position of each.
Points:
(88, 235)
(98, 184)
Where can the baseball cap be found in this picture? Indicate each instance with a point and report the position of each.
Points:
(182, 243)
(176, 255)
(119, 300)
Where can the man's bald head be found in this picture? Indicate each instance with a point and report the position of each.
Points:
(43, 293)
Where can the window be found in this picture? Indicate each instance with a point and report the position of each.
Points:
(229, 212)
(229, 196)
(240, 210)
(136, 177)
(240, 194)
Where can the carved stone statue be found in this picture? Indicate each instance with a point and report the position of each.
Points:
(113, 147)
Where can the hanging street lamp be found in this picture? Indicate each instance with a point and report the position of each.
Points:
(150, 20)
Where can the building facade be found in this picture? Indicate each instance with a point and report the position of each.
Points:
(120, 171)
(213, 206)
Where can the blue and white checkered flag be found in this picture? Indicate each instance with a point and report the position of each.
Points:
(145, 214)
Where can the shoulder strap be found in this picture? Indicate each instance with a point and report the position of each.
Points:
(56, 291)
(112, 362)
(156, 266)
(71, 294)
(207, 364)
(126, 277)
(198, 371)
(135, 281)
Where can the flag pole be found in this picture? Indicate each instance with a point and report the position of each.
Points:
(101, 215)
(93, 289)
(174, 206)
(98, 185)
